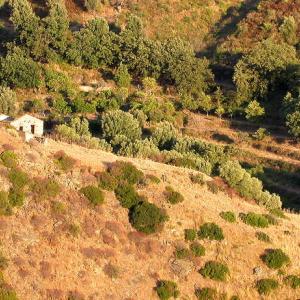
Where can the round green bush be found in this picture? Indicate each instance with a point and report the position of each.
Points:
(167, 289)
(255, 220)
(190, 234)
(228, 216)
(293, 281)
(172, 196)
(127, 195)
(147, 217)
(275, 258)
(266, 286)
(211, 231)
(206, 294)
(93, 194)
(215, 270)
(197, 249)
(182, 253)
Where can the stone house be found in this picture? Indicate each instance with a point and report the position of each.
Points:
(29, 125)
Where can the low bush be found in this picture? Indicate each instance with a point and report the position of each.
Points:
(197, 249)
(277, 212)
(215, 270)
(147, 217)
(107, 181)
(182, 253)
(255, 220)
(74, 230)
(6, 293)
(167, 289)
(65, 162)
(228, 216)
(212, 187)
(45, 188)
(197, 179)
(18, 179)
(3, 262)
(266, 286)
(125, 172)
(211, 231)
(172, 196)
(263, 237)
(271, 219)
(5, 208)
(206, 294)
(9, 159)
(293, 281)
(275, 258)
(127, 195)
(153, 179)
(58, 208)
(16, 198)
(190, 234)
(93, 194)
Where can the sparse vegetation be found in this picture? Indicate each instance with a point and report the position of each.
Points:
(9, 159)
(211, 231)
(263, 237)
(197, 249)
(293, 281)
(190, 234)
(44, 189)
(65, 162)
(182, 253)
(206, 294)
(215, 270)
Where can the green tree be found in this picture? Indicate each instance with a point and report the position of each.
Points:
(18, 70)
(288, 30)
(57, 26)
(122, 76)
(7, 101)
(254, 110)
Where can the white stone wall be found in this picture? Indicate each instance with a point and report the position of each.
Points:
(25, 124)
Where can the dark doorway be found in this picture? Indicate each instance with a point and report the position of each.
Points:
(21, 128)
(32, 129)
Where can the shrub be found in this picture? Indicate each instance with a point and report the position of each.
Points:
(190, 234)
(65, 162)
(172, 196)
(107, 181)
(212, 187)
(147, 217)
(125, 172)
(164, 136)
(3, 262)
(122, 77)
(9, 159)
(5, 208)
(197, 178)
(153, 178)
(182, 253)
(93, 194)
(18, 178)
(293, 281)
(7, 101)
(266, 286)
(197, 249)
(115, 123)
(228, 216)
(127, 195)
(275, 258)
(58, 208)
(271, 219)
(206, 294)
(167, 289)
(263, 237)
(211, 231)
(215, 270)
(16, 198)
(255, 220)
(91, 5)
(277, 212)
(45, 188)
(74, 230)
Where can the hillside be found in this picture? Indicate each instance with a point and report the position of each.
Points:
(95, 253)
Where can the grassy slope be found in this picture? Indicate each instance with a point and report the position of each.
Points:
(46, 261)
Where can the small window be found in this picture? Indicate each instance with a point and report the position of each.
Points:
(21, 128)
(32, 129)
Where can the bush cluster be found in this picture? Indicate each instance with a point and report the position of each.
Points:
(255, 220)
(266, 286)
(215, 270)
(275, 258)
(210, 231)
(248, 186)
(172, 196)
(167, 289)
(228, 216)
(93, 194)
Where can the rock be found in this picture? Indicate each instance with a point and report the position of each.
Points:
(257, 271)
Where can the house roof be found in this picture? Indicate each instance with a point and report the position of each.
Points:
(5, 118)
(26, 116)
